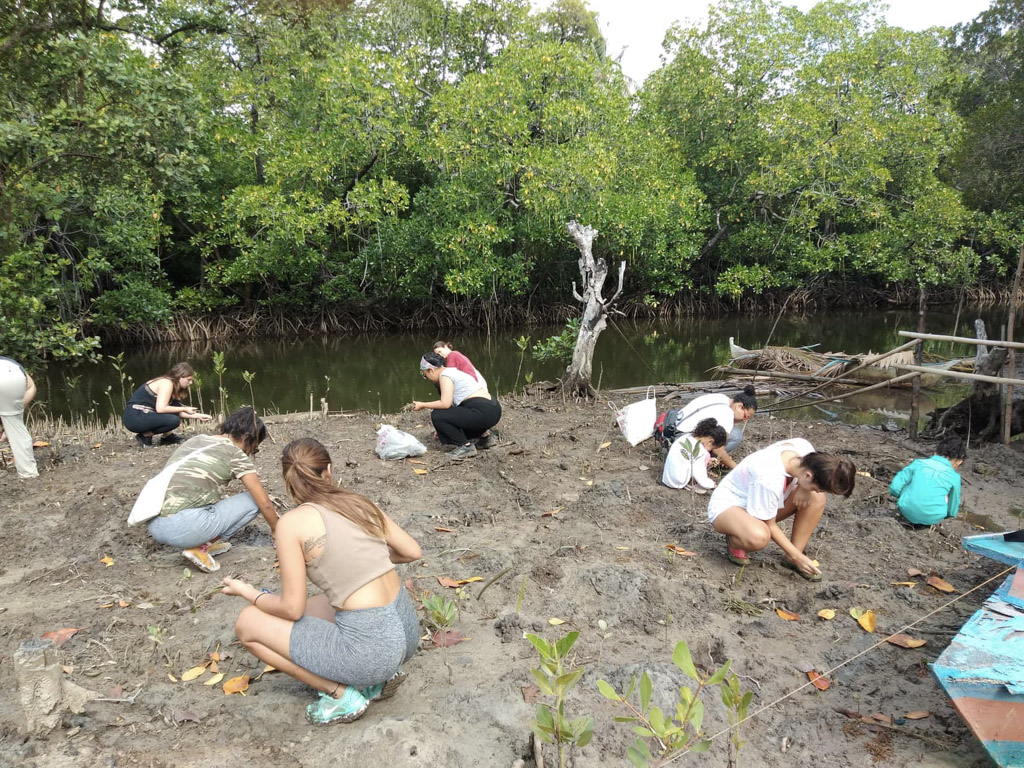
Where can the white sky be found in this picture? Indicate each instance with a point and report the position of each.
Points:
(639, 25)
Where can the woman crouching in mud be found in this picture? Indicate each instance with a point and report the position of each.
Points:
(350, 641)
(786, 479)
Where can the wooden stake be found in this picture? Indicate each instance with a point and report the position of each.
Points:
(915, 398)
(1011, 361)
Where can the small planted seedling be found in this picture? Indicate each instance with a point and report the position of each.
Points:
(556, 677)
(249, 376)
(660, 737)
(440, 612)
(220, 368)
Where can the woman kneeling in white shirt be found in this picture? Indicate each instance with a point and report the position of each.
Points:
(786, 479)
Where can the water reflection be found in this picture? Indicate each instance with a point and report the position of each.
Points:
(378, 372)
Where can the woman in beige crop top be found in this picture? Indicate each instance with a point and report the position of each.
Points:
(347, 547)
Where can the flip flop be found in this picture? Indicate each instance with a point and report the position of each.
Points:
(737, 556)
(796, 569)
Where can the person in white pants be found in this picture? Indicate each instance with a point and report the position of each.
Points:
(16, 391)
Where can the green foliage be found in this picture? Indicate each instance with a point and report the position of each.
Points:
(559, 347)
(95, 135)
(818, 138)
(173, 157)
(661, 736)
(439, 611)
(556, 677)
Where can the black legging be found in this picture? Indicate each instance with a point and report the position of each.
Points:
(470, 418)
(138, 421)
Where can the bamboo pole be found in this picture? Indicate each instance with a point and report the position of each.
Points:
(962, 340)
(1011, 362)
(769, 374)
(879, 385)
(959, 375)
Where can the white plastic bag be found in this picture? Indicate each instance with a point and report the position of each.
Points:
(636, 420)
(393, 443)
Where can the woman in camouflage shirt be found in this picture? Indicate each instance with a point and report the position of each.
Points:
(193, 515)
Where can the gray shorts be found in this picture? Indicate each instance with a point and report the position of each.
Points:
(361, 647)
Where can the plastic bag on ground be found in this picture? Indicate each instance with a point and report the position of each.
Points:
(393, 443)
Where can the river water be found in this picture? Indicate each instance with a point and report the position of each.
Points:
(379, 372)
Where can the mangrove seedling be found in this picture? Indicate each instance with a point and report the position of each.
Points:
(556, 677)
(440, 612)
(660, 738)
(220, 368)
(249, 376)
(523, 342)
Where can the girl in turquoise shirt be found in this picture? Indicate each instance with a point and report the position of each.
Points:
(927, 491)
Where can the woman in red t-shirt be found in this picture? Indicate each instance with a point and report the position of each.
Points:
(453, 359)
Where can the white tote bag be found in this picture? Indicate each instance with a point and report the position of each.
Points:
(636, 420)
(151, 497)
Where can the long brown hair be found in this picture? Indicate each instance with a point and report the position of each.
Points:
(178, 372)
(303, 463)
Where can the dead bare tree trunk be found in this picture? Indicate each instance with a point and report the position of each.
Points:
(595, 310)
(978, 416)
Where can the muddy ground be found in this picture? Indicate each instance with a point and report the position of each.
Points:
(601, 557)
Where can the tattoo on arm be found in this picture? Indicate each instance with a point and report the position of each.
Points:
(313, 542)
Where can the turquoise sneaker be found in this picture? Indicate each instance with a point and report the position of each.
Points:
(350, 706)
(384, 690)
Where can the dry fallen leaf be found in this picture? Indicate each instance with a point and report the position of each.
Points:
(123, 603)
(443, 530)
(447, 638)
(470, 580)
(182, 716)
(910, 584)
(862, 473)
(107, 560)
(61, 636)
(904, 640)
(787, 615)
(419, 471)
(827, 614)
(107, 605)
(878, 716)
(917, 714)
(556, 622)
(531, 694)
(818, 681)
(236, 685)
(40, 444)
(856, 612)
(553, 512)
(940, 584)
(604, 445)
(622, 549)
(215, 679)
(914, 572)
(172, 678)
(417, 461)
(67, 669)
(193, 673)
(445, 581)
(867, 621)
(680, 551)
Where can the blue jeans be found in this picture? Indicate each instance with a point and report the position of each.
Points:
(735, 438)
(198, 525)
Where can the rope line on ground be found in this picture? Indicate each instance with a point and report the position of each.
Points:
(844, 663)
